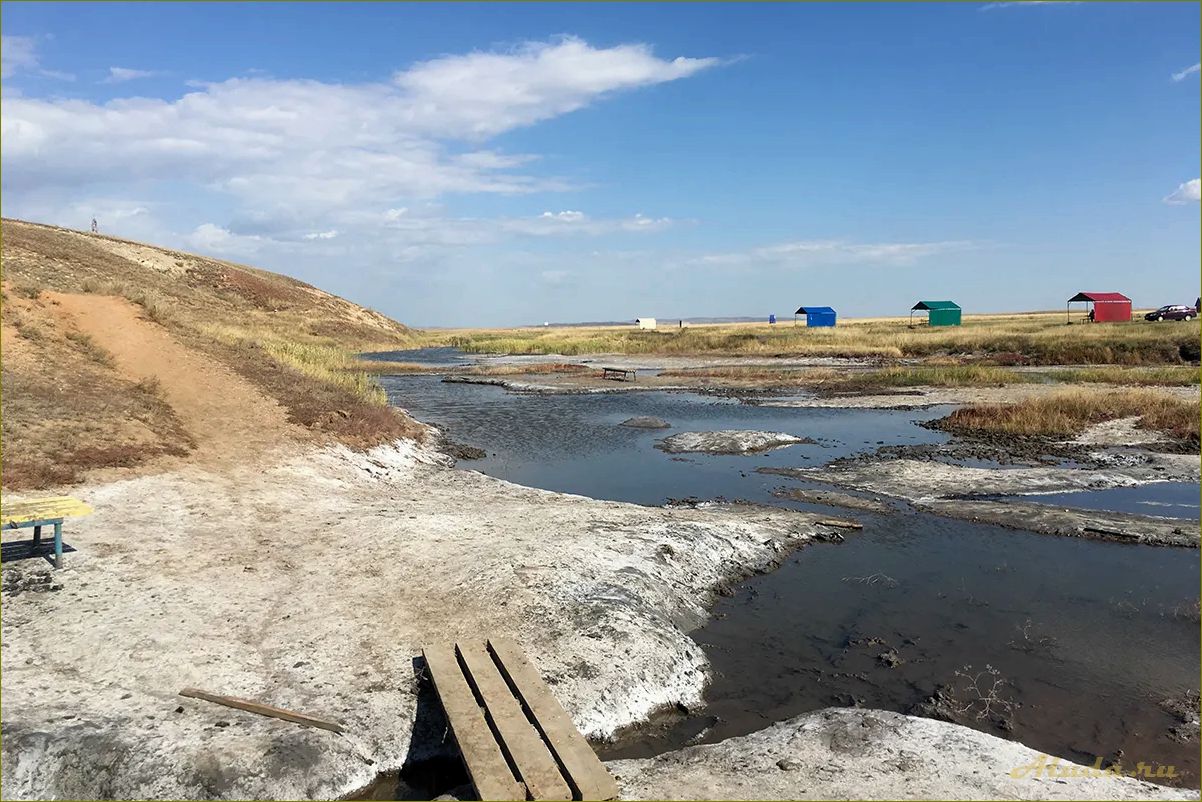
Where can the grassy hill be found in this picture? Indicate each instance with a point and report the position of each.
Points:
(67, 408)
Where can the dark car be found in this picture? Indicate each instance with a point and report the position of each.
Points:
(1175, 312)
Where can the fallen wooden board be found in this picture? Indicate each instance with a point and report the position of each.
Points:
(482, 756)
(841, 524)
(518, 738)
(584, 771)
(263, 710)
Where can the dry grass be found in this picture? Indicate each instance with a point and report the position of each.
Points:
(294, 341)
(1035, 338)
(328, 364)
(53, 432)
(539, 368)
(333, 409)
(1142, 377)
(382, 367)
(936, 373)
(1069, 412)
(840, 380)
(88, 347)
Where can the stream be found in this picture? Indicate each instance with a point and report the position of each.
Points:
(1070, 646)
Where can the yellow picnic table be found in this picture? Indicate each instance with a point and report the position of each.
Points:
(41, 512)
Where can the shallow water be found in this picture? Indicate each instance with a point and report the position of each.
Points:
(440, 356)
(574, 443)
(1163, 499)
(1089, 637)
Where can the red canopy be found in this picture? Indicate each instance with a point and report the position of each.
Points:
(1108, 307)
(1100, 297)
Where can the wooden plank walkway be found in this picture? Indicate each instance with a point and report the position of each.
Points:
(517, 741)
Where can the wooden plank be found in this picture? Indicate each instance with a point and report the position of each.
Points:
(585, 772)
(486, 765)
(17, 513)
(263, 710)
(522, 743)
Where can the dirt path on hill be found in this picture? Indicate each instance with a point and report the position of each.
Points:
(229, 418)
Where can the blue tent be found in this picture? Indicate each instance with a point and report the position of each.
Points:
(817, 315)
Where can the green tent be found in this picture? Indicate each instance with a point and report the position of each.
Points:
(939, 313)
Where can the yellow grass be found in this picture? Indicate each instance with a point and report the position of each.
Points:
(330, 364)
(1144, 377)
(1033, 338)
(1071, 411)
(842, 379)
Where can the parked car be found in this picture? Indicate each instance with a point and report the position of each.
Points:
(1173, 312)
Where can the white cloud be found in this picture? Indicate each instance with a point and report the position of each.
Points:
(17, 53)
(299, 175)
(821, 252)
(1189, 192)
(301, 148)
(210, 238)
(482, 94)
(119, 75)
(641, 223)
(576, 222)
(1029, 3)
(1188, 71)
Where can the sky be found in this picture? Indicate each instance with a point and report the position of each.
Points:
(505, 164)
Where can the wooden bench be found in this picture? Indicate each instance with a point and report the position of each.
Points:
(618, 374)
(516, 741)
(41, 512)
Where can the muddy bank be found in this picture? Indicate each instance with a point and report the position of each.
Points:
(555, 384)
(954, 491)
(728, 442)
(920, 396)
(920, 479)
(826, 497)
(646, 422)
(865, 754)
(1101, 525)
(311, 584)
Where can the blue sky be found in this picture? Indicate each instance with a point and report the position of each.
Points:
(502, 164)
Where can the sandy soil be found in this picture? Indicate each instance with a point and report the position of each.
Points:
(865, 754)
(1120, 432)
(230, 420)
(312, 584)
